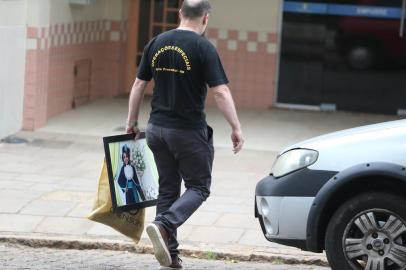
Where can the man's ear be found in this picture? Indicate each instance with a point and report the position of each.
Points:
(205, 19)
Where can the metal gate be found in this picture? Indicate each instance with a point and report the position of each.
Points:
(344, 54)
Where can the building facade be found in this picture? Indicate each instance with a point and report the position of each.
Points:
(60, 54)
(73, 51)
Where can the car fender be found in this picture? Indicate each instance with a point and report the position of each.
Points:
(356, 173)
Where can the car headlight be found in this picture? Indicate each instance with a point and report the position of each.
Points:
(294, 160)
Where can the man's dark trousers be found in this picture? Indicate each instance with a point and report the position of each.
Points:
(180, 154)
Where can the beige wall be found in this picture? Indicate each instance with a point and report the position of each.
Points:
(12, 65)
(125, 9)
(45, 12)
(114, 10)
(38, 13)
(13, 13)
(257, 15)
(62, 11)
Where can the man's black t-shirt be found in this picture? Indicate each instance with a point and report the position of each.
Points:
(182, 64)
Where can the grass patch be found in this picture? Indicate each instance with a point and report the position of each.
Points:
(210, 255)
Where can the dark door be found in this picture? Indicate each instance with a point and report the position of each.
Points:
(364, 56)
(82, 73)
(365, 64)
(304, 31)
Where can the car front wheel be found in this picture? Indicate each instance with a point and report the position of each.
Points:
(368, 232)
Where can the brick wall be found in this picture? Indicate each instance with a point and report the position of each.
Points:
(249, 59)
(51, 54)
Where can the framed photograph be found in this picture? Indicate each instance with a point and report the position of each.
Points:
(133, 175)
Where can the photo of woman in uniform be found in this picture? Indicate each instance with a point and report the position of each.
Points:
(133, 175)
(128, 179)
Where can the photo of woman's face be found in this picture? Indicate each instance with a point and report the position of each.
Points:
(126, 159)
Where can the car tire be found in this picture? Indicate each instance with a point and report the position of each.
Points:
(346, 236)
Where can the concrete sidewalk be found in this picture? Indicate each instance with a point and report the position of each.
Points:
(47, 185)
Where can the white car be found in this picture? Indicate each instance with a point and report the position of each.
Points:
(344, 193)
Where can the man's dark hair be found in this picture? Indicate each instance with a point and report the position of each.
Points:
(195, 9)
(126, 150)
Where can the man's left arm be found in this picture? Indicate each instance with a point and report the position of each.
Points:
(136, 97)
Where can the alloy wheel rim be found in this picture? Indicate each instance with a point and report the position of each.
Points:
(375, 240)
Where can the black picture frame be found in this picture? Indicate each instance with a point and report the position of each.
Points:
(119, 139)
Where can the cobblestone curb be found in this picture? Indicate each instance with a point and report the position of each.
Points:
(118, 245)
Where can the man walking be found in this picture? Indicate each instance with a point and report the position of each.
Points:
(182, 63)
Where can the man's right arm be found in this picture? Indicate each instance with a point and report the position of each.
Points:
(226, 105)
(137, 92)
(134, 104)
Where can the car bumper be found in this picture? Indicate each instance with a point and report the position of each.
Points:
(283, 204)
(283, 218)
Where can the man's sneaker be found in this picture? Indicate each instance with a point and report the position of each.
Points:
(159, 238)
(176, 263)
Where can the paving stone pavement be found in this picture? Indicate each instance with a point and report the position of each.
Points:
(21, 257)
(54, 193)
(47, 185)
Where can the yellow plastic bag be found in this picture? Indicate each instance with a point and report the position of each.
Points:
(130, 224)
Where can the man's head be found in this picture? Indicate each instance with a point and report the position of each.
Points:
(196, 11)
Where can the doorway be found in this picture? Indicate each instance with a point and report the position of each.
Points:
(344, 54)
(147, 19)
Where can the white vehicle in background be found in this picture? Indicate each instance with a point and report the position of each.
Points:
(344, 193)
